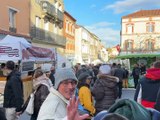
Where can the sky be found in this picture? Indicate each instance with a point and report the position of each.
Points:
(103, 17)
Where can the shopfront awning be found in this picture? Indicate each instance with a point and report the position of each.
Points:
(138, 56)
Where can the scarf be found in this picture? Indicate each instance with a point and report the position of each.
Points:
(42, 80)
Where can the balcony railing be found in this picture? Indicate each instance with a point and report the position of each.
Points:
(60, 15)
(48, 8)
(48, 37)
(50, 11)
(139, 51)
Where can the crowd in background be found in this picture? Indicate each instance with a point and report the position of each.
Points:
(97, 90)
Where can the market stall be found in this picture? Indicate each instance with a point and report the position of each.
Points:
(25, 56)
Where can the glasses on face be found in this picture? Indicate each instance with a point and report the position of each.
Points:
(67, 82)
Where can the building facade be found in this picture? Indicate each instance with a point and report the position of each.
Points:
(140, 35)
(88, 47)
(69, 34)
(15, 13)
(46, 24)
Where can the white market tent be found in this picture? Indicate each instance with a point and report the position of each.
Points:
(18, 48)
(97, 61)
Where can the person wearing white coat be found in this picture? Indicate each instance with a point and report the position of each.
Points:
(55, 105)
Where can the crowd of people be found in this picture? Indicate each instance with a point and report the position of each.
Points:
(84, 92)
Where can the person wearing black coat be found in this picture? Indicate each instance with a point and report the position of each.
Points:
(2, 114)
(13, 92)
(136, 74)
(120, 73)
(51, 76)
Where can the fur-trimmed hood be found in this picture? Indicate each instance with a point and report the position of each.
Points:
(108, 80)
(108, 77)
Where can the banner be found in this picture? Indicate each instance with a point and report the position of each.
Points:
(38, 54)
(20, 50)
(10, 52)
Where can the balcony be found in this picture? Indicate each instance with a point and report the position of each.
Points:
(48, 9)
(47, 37)
(12, 29)
(139, 51)
(60, 15)
(51, 12)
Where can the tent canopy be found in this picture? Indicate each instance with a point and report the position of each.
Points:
(18, 48)
(97, 61)
(15, 40)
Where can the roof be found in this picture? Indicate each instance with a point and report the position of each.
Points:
(66, 13)
(143, 13)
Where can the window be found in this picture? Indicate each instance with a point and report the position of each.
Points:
(129, 28)
(84, 49)
(149, 44)
(66, 26)
(55, 29)
(38, 1)
(38, 21)
(46, 25)
(73, 29)
(12, 18)
(150, 27)
(129, 44)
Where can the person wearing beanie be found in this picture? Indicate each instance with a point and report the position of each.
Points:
(84, 92)
(13, 92)
(105, 90)
(55, 105)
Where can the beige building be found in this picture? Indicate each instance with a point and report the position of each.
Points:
(46, 24)
(140, 35)
(14, 13)
(82, 48)
(88, 47)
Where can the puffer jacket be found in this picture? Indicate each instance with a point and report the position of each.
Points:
(85, 98)
(105, 92)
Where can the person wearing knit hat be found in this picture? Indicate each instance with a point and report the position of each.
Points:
(64, 74)
(54, 107)
(84, 94)
(105, 89)
(105, 69)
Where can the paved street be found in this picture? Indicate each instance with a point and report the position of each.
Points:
(127, 93)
